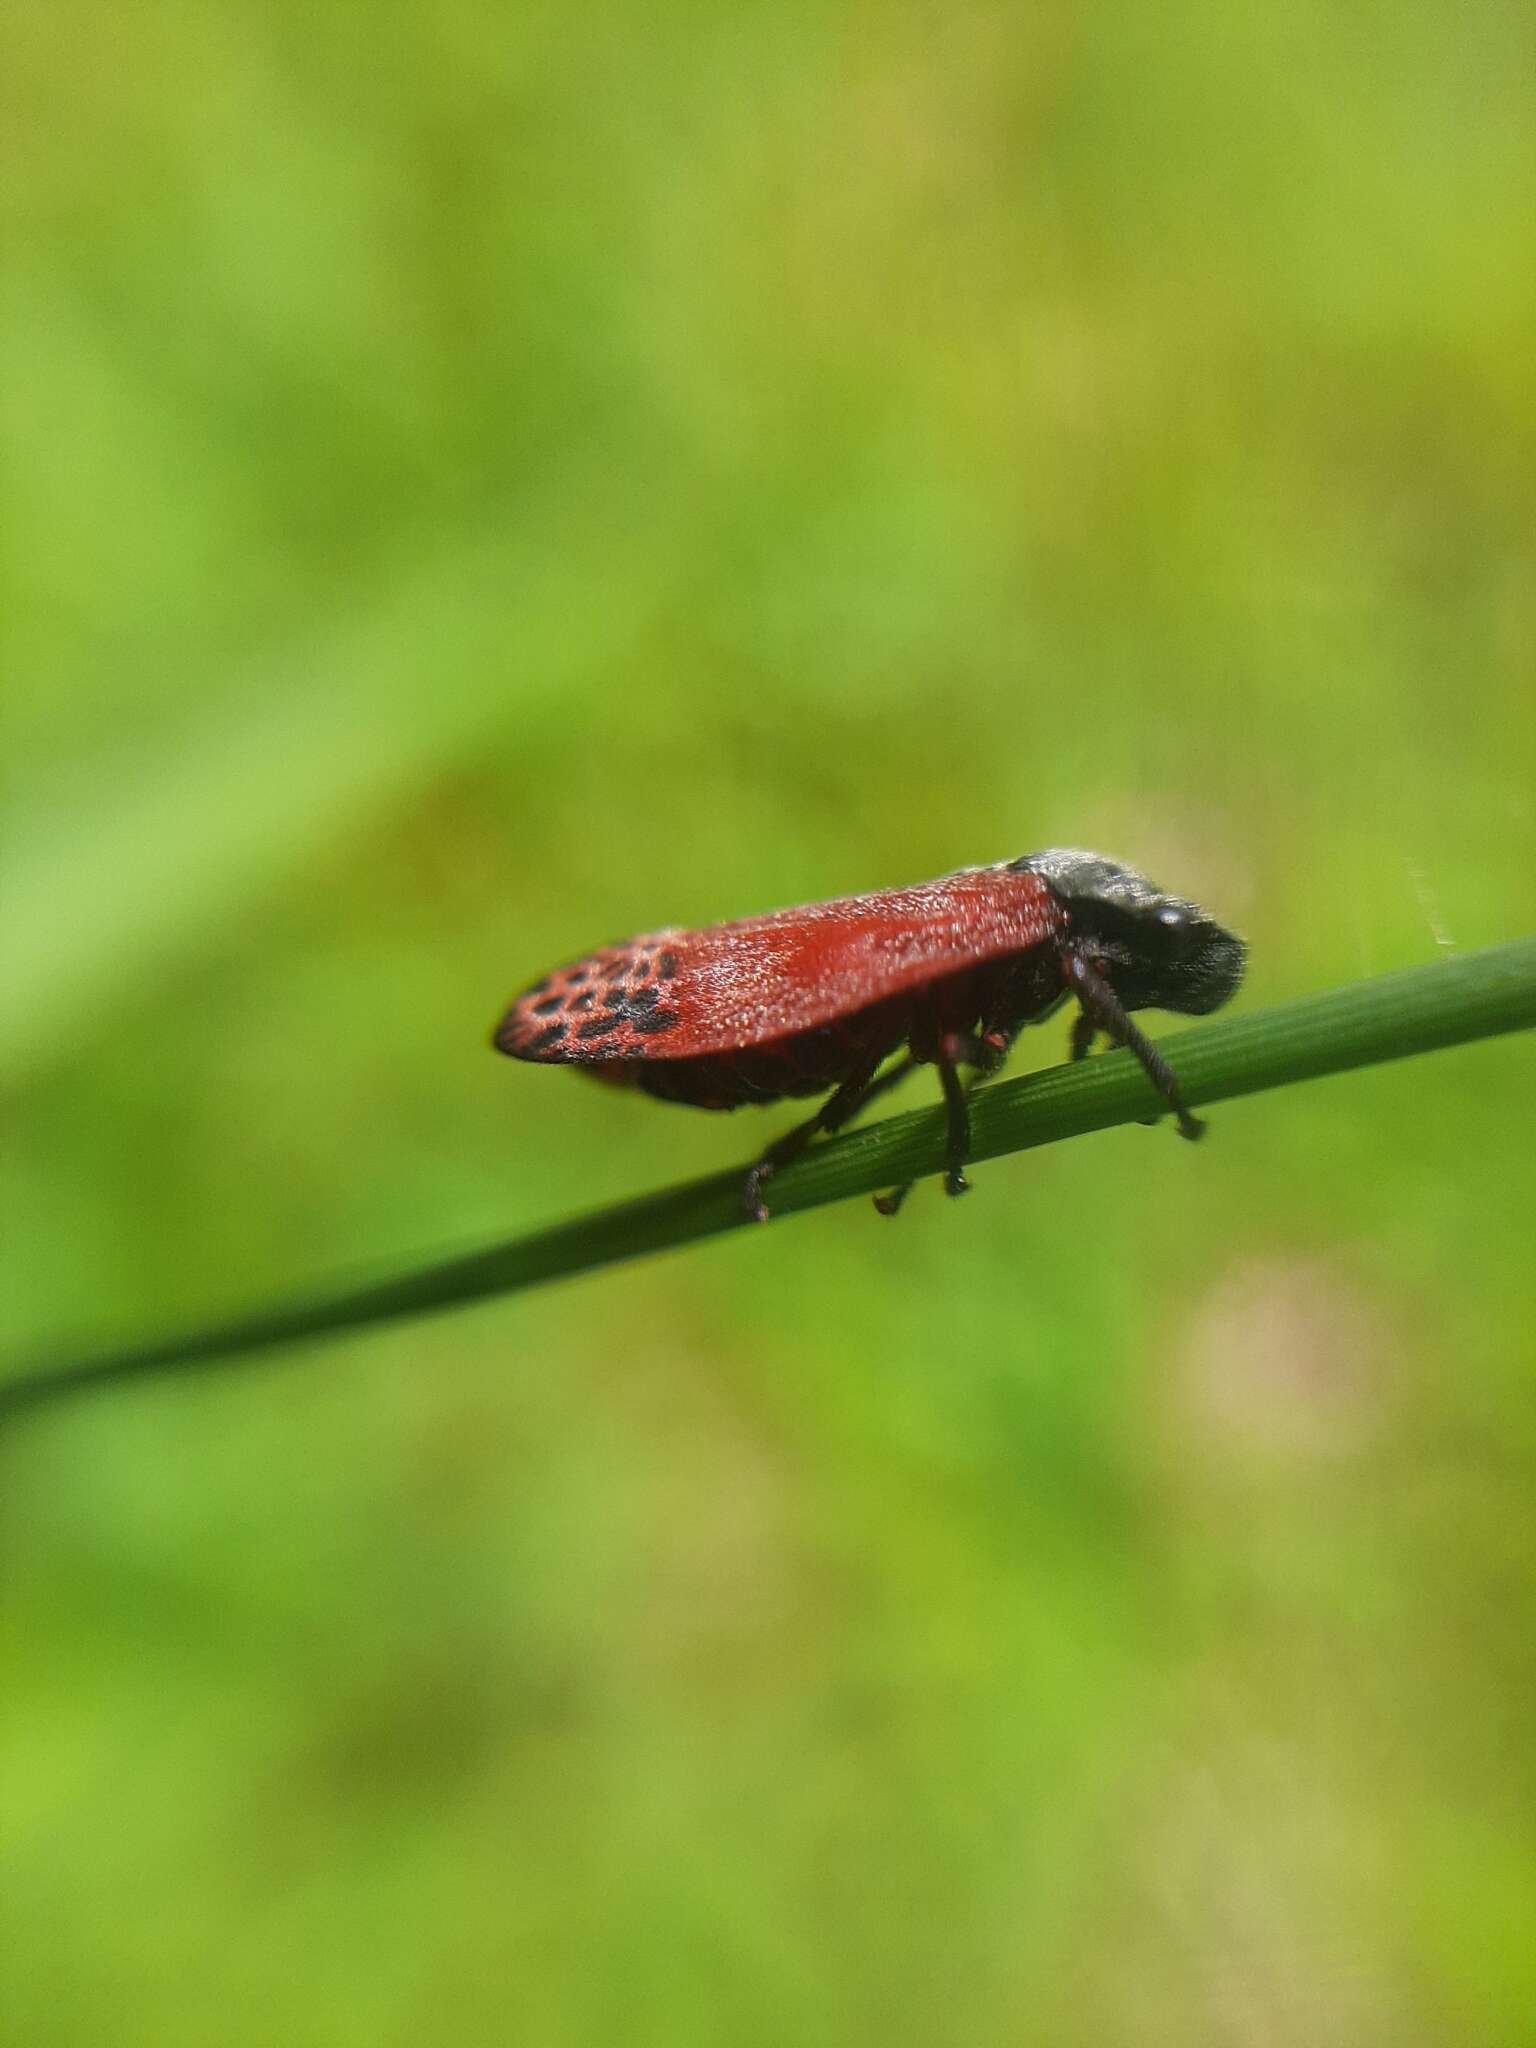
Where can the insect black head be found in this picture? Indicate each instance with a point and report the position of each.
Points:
(1159, 952)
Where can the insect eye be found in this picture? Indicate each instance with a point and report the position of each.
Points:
(1174, 920)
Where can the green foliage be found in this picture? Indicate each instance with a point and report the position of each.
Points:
(480, 482)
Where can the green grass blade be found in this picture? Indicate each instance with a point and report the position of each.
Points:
(1390, 1017)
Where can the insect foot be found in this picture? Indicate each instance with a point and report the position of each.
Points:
(753, 1207)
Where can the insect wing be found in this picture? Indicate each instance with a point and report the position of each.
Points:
(688, 994)
(602, 1007)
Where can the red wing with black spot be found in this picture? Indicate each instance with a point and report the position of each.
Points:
(610, 1005)
(687, 994)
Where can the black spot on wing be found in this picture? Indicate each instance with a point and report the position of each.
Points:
(637, 1009)
(550, 1036)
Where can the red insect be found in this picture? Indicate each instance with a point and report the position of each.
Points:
(805, 1001)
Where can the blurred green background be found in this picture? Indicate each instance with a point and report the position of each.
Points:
(483, 481)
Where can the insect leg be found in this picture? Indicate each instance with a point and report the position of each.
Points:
(958, 1144)
(877, 1087)
(984, 1055)
(854, 1094)
(1102, 1011)
(1084, 1032)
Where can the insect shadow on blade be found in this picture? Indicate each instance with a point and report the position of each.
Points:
(816, 1001)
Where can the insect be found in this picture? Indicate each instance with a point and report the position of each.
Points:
(816, 1001)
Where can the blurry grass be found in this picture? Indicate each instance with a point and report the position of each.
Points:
(478, 483)
(172, 838)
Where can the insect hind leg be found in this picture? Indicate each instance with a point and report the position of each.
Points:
(841, 1107)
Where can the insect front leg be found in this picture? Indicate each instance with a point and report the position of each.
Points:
(1102, 1011)
(854, 1094)
(1084, 1032)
